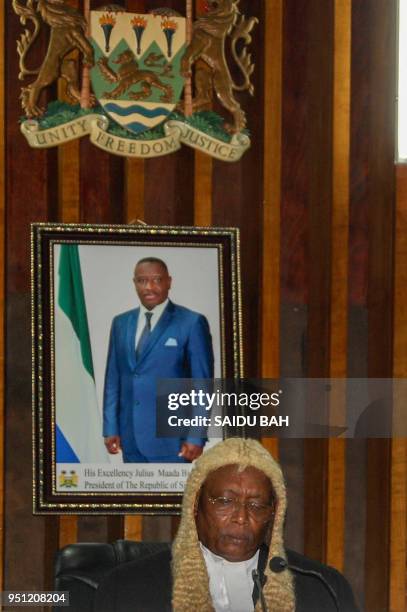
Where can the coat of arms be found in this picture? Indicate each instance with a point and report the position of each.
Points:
(68, 481)
(137, 72)
(144, 83)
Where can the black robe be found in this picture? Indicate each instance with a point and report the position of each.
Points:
(145, 586)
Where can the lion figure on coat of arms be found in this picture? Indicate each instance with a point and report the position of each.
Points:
(68, 32)
(209, 36)
(129, 74)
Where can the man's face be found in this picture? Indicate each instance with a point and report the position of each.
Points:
(152, 284)
(236, 528)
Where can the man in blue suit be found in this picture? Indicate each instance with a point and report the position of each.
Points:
(157, 340)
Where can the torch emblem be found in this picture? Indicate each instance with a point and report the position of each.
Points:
(107, 22)
(169, 27)
(139, 25)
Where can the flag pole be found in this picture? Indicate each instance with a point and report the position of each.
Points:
(85, 89)
(188, 81)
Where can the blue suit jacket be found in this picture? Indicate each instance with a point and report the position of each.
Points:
(129, 406)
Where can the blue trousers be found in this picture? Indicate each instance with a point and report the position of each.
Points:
(137, 457)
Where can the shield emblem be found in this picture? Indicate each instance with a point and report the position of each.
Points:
(136, 77)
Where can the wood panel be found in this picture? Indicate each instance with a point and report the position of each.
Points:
(339, 279)
(271, 222)
(93, 528)
(340, 189)
(294, 224)
(377, 571)
(294, 180)
(335, 529)
(400, 287)
(2, 297)
(355, 536)
(398, 486)
(67, 530)
(381, 191)
(319, 168)
(318, 151)
(68, 183)
(115, 528)
(168, 188)
(202, 190)
(101, 185)
(381, 186)
(133, 528)
(359, 168)
(270, 329)
(134, 190)
(50, 546)
(398, 526)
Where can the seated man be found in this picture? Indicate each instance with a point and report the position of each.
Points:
(228, 555)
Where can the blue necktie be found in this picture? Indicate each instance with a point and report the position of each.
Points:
(144, 335)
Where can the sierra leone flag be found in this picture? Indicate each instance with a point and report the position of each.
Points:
(78, 420)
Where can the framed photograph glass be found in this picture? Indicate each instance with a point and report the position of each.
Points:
(115, 310)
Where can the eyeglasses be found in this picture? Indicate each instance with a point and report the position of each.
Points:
(227, 506)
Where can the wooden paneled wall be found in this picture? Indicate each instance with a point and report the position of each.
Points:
(323, 219)
(2, 301)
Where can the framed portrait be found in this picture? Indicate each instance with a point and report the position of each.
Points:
(116, 310)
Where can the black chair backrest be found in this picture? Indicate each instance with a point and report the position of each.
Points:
(80, 568)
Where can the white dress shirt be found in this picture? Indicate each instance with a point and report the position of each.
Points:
(141, 323)
(230, 584)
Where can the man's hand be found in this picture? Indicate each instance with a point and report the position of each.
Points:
(190, 452)
(113, 444)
